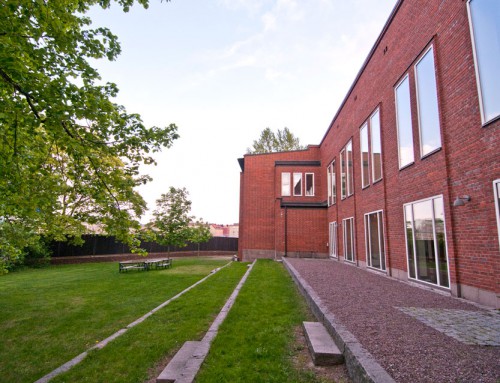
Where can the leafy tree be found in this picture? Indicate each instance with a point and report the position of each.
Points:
(171, 219)
(200, 232)
(269, 142)
(69, 155)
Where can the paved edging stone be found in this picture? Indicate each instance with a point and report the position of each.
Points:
(361, 365)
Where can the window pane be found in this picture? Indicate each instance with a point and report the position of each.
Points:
(365, 173)
(348, 239)
(409, 240)
(374, 240)
(376, 147)
(428, 114)
(309, 184)
(297, 184)
(424, 241)
(285, 184)
(403, 119)
(441, 242)
(333, 239)
(343, 174)
(350, 181)
(485, 16)
(334, 184)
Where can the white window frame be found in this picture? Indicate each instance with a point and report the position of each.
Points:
(306, 193)
(332, 187)
(398, 127)
(349, 169)
(414, 244)
(364, 134)
(484, 119)
(343, 175)
(297, 177)
(368, 244)
(353, 245)
(496, 193)
(421, 111)
(284, 191)
(379, 132)
(333, 240)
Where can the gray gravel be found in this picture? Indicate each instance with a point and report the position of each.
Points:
(369, 306)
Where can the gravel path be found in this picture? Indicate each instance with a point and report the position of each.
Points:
(380, 313)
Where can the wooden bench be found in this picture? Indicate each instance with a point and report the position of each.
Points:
(148, 264)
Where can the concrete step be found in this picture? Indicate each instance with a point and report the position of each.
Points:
(176, 368)
(323, 349)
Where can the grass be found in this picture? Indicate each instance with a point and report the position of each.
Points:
(256, 341)
(49, 316)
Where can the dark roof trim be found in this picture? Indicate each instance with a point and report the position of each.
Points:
(363, 67)
(241, 161)
(297, 163)
(304, 205)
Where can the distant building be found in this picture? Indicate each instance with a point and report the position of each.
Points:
(224, 230)
(406, 180)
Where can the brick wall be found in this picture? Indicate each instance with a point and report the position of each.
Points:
(466, 164)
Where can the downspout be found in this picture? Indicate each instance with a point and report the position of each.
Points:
(286, 233)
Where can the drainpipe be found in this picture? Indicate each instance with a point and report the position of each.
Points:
(286, 233)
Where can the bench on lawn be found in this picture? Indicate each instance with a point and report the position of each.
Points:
(148, 264)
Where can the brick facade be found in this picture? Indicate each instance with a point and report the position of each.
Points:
(466, 163)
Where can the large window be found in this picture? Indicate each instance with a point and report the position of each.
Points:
(348, 226)
(496, 192)
(347, 182)
(309, 184)
(374, 239)
(365, 156)
(484, 18)
(285, 184)
(426, 241)
(403, 121)
(376, 146)
(369, 136)
(428, 113)
(297, 184)
(332, 236)
(332, 186)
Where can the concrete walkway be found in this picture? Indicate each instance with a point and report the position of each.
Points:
(393, 331)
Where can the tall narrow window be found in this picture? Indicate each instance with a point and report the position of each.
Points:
(485, 31)
(426, 241)
(350, 177)
(285, 184)
(496, 192)
(374, 238)
(332, 186)
(376, 146)
(309, 184)
(332, 236)
(297, 184)
(365, 156)
(403, 121)
(428, 113)
(343, 175)
(348, 225)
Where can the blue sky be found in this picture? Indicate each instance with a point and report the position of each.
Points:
(224, 70)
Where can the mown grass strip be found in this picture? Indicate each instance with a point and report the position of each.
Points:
(49, 316)
(134, 356)
(255, 342)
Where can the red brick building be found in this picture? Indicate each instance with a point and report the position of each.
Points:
(406, 180)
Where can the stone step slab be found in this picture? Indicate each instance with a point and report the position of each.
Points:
(323, 349)
(176, 368)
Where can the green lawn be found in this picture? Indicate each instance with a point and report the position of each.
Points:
(48, 316)
(256, 341)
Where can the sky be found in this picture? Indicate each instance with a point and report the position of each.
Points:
(223, 71)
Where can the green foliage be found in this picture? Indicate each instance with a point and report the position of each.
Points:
(69, 155)
(269, 142)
